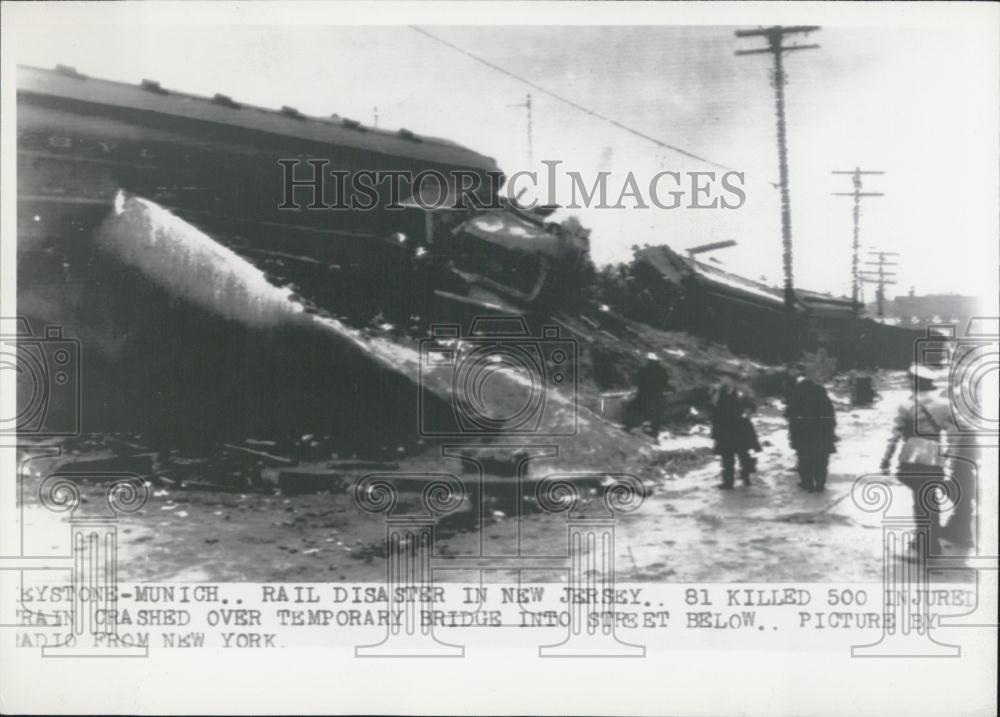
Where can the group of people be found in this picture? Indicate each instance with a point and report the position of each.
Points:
(812, 426)
(926, 461)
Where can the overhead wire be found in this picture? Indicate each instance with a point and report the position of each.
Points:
(572, 103)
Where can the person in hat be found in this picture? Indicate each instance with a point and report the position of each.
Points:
(917, 433)
(649, 404)
(733, 433)
(812, 424)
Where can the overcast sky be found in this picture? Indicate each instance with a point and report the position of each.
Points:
(920, 103)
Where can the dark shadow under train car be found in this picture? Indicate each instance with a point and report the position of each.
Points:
(155, 360)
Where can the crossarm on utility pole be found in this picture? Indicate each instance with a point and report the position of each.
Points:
(777, 30)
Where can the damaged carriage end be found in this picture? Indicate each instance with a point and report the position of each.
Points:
(128, 234)
(246, 357)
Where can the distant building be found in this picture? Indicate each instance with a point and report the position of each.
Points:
(920, 311)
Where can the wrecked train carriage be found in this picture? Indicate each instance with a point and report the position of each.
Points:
(750, 317)
(215, 162)
(179, 334)
(699, 298)
(516, 253)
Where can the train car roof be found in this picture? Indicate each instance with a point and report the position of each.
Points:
(674, 267)
(148, 96)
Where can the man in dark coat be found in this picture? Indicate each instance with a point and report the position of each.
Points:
(734, 434)
(812, 427)
(649, 404)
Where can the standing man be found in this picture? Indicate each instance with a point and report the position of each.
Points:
(649, 404)
(733, 434)
(812, 425)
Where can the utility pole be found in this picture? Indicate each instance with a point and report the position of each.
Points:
(881, 278)
(774, 36)
(375, 112)
(527, 106)
(856, 245)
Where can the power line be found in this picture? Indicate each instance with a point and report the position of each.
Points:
(572, 103)
(527, 105)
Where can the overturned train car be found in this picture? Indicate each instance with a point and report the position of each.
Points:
(751, 317)
(154, 229)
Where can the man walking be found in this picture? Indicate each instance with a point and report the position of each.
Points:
(733, 434)
(812, 424)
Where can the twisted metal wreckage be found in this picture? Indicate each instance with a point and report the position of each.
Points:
(150, 228)
(146, 213)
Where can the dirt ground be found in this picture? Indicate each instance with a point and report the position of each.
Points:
(685, 531)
